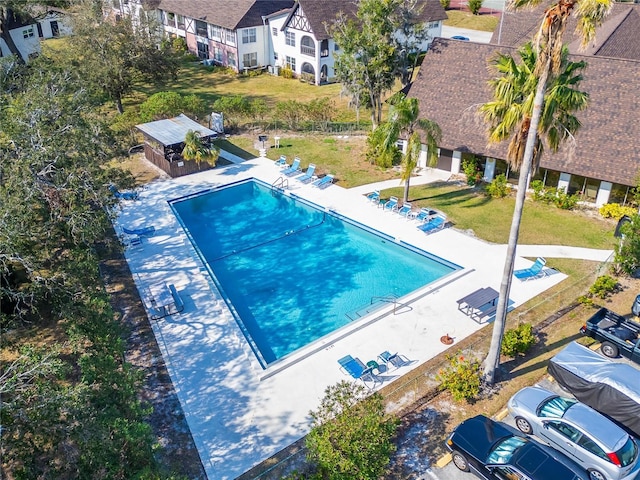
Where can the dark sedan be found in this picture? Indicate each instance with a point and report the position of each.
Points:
(493, 450)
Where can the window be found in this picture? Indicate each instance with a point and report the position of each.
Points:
(555, 407)
(274, 31)
(291, 63)
(216, 32)
(230, 37)
(201, 29)
(171, 19)
(308, 46)
(27, 32)
(503, 451)
(180, 21)
(590, 446)
(275, 55)
(249, 35)
(432, 25)
(231, 59)
(250, 60)
(290, 38)
(565, 430)
(217, 54)
(203, 50)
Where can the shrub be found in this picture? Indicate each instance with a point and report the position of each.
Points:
(498, 188)
(286, 72)
(471, 168)
(518, 340)
(461, 377)
(445, 3)
(627, 251)
(179, 44)
(351, 434)
(191, 57)
(603, 286)
(565, 201)
(539, 191)
(474, 6)
(616, 211)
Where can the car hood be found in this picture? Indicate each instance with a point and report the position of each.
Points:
(529, 398)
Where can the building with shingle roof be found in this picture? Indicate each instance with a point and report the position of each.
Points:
(248, 34)
(601, 164)
(617, 37)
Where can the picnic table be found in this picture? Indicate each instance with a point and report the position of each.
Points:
(479, 304)
(161, 299)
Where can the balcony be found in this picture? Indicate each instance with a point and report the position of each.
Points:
(310, 51)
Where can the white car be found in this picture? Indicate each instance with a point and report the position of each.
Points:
(604, 449)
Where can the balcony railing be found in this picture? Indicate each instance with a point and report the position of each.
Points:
(324, 53)
(310, 51)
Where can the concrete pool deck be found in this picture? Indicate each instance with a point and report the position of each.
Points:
(240, 414)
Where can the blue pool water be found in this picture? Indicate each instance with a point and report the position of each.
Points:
(291, 272)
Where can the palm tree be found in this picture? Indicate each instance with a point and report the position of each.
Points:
(403, 120)
(540, 116)
(194, 149)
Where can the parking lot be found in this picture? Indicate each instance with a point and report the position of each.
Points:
(450, 472)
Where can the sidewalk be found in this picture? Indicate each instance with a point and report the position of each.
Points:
(428, 175)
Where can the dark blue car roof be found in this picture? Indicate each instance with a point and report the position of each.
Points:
(477, 435)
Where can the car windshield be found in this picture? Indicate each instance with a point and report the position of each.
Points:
(503, 451)
(628, 453)
(555, 407)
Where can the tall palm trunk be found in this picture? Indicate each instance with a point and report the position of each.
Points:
(492, 361)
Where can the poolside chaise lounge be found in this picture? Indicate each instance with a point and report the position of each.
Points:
(282, 161)
(323, 182)
(374, 196)
(424, 214)
(392, 359)
(433, 224)
(177, 300)
(357, 369)
(123, 195)
(309, 174)
(295, 167)
(405, 210)
(534, 271)
(391, 204)
(143, 232)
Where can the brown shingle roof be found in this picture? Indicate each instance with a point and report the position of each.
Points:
(321, 12)
(453, 82)
(617, 37)
(231, 15)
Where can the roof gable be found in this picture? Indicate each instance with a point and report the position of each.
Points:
(230, 15)
(321, 13)
(453, 82)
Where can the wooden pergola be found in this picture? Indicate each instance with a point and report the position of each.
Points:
(164, 141)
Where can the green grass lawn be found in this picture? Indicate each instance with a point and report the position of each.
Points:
(485, 23)
(340, 155)
(490, 219)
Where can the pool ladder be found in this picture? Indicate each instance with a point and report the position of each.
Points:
(391, 298)
(280, 182)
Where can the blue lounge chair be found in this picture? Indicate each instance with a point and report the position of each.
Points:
(424, 214)
(357, 369)
(391, 204)
(295, 166)
(142, 232)
(323, 182)
(534, 271)
(282, 161)
(405, 210)
(436, 223)
(374, 196)
(308, 175)
(123, 195)
(391, 359)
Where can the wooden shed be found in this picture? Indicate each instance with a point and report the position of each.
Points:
(164, 141)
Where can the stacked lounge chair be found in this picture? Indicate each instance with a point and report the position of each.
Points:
(534, 271)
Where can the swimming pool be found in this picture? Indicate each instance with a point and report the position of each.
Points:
(292, 272)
